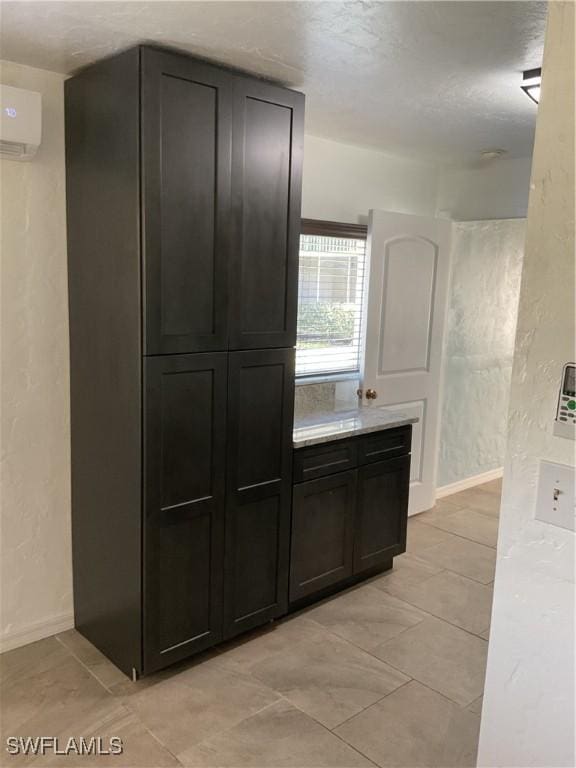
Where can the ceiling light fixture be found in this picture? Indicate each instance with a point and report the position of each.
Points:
(531, 83)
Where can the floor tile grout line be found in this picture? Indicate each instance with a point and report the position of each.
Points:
(355, 749)
(437, 524)
(231, 727)
(496, 497)
(333, 733)
(350, 643)
(156, 738)
(428, 614)
(86, 667)
(452, 499)
(424, 685)
(386, 695)
(283, 697)
(438, 618)
(370, 653)
(447, 698)
(476, 581)
(412, 680)
(474, 702)
(429, 562)
(420, 681)
(119, 700)
(435, 575)
(420, 515)
(459, 535)
(130, 710)
(357, 647)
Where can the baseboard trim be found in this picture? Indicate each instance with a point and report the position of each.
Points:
(469, 482)
(36, 631)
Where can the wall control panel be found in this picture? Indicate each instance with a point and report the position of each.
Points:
(565, 424)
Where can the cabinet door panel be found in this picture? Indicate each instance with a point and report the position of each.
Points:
(186, 151)
(382, 512)
(260, 422)
(266, 193)
(322, 533)
(256, 530)
(179, 585)
(185, 491)
(261, 392)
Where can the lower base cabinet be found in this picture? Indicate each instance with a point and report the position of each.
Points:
(322, 533)
(218, 454)
(352, 522)
(381, 512)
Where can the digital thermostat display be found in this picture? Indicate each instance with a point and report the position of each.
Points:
(569, 387)
(565, 423)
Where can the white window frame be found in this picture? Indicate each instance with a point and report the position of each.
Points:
(339, 230)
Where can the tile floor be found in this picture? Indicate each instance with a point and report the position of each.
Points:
(389, 673)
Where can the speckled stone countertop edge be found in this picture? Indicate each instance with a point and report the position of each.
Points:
(329, 427)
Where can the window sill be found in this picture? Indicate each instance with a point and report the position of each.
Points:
(327, 378)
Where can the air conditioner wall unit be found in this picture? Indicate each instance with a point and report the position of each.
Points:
(20, 123)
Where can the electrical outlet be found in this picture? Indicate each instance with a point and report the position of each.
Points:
(555, 500)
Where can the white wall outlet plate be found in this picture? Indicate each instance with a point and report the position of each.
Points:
(555, 500)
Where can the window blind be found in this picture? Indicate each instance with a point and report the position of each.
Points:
(330, 304)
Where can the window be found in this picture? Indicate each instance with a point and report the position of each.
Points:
(330, 298)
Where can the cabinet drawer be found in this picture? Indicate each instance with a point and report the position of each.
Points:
(379, 446)
(323, 460)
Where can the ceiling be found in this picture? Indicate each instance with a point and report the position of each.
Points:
(436, 80)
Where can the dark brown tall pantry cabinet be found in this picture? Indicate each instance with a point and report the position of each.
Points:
(183, 204)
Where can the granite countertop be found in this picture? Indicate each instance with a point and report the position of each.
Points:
(336, 425)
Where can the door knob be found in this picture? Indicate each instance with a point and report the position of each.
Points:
(371, 394)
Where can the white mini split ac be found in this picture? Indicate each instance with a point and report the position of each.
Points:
(20, 123)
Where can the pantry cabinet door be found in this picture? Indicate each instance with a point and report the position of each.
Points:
(261, 402)
(186, 131)
(185, 445)
(266, 195)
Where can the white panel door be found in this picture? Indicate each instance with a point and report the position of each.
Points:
(409, 265)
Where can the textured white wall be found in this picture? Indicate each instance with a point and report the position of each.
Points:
(36, 589)
(342, 183)
(479, 346)
(529, 704)
(494, 190)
